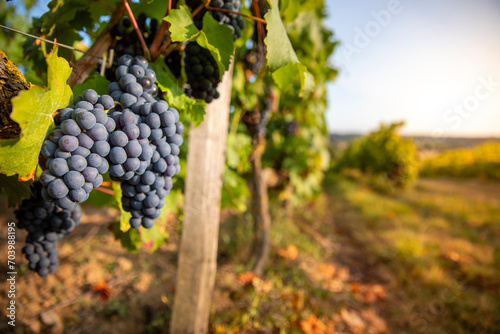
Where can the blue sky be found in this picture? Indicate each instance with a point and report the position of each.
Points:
(434, 64)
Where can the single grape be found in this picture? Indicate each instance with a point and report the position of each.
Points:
(58, 167)
(57, 189)
(70, 127)
(68, 143)
(117, 155)
(74, 180)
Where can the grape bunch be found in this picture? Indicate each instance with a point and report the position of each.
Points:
(202, 73)
(127, 41)
(233, 21)
(145, 144)
(46, 224)
(76, 150)
(135, 82)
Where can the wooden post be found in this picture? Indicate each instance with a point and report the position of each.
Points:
(197, 260)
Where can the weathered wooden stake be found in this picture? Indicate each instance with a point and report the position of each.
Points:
(200, 230)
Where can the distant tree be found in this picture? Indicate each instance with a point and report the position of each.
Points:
(383, 153)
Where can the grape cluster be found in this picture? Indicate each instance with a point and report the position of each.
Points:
(202, 73)
(127, 41)
(76, 150)
(46, 224)
(135, 82)
(233, 21)
(145, 144)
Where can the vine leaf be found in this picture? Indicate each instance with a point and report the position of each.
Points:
(175, 96)
(124, 215)
(182, 27)
(215, 37)
(218, 39)
(14, 190)
(285, 76)
(281, 57)
(62, 11)
(96, 82)
(130, 240)
(154, 237)
(32, 110)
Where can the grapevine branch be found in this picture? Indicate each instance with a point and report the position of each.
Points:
(157, 46)
(105, 190)
(137, 30)
(258, 19)
(85, 65)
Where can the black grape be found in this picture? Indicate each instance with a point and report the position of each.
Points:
(46, 224)
(80, 138)
(233, 21)
(203, 83)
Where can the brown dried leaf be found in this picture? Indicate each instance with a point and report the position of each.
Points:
(353, 321)
(376, 324)
(291, 252)
(327, 269)
(246, 277)
(103, 289)
(298, 300)
(370, 293)
(312, 325)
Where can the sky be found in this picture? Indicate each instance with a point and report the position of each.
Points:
(434, 64)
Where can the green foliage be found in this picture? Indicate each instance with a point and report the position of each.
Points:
(281, 57)
(32, 110)
(302, 156)
(289, 69)
(215, 37)
(482, 162)
(10, 42)
(383, 153)
(96, 82)
(175, 96)
(14, 190)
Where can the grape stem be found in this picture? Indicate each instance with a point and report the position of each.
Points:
(137, 30)
(105, 190)
(158, 41)
(106, 184)
(258, 19)
(197, 10)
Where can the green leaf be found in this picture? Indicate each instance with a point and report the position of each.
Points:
(182, 27)
(175, 96)
(281, 57)
(96, 82)
(153, 237)
(16, 191)
(32, 110)
(215, 37)
(153, 9)
(218, 39)
(235, 191)
(125, 216)
(130, 240)
(285, 77)
(62, 11)
(280, 51)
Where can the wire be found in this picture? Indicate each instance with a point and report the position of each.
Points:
(48, 41)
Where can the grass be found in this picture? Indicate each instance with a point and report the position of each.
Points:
(441, 241)
(435, 247)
